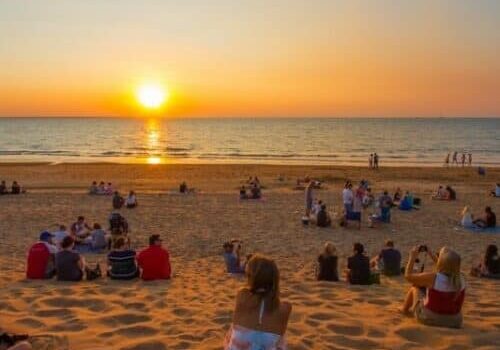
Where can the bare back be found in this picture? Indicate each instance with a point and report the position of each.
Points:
(250, 313)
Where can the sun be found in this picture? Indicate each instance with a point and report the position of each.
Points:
(152, 95)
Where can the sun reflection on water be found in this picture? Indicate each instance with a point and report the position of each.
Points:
(152, 142)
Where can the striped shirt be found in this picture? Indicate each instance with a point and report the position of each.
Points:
(122, 264)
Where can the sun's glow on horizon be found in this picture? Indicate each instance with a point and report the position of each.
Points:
(152, 96)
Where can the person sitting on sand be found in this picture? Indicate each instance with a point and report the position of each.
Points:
(441, 194)
(69, 264)
(101, 189)
(407, 202)
(441, 303)
(117, 200)
(131, 201)
(16, 188)
(41, 258)
(451, 193)
(118, 227)
(260, 318)
(154, 261)
(358, 266)
(323, 218)
(243, 192)
(490, 264)
(388, 261)
(467, 220)
(496, 191)
(397, 196)
(327, 263)
(59, 235)
(80, 230)
(488, 220)
(121, 262)
(98, 238)
(385, 204)
(108, 189)
(232, 257)
(93, 189)
(3, 188)
(316, 207)
(255, 191)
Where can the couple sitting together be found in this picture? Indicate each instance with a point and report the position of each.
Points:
(130, 202)
(487, 220)
(445, 194)
(45, 261)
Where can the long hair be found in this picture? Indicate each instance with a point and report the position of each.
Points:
(329, 249)
(263, 280)
(449, 264)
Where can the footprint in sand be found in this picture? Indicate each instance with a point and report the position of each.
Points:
(92, 304)
(345, 329)
(59, 313)
(353, 343)
(30, 322)
(123, 319)
(72, 325)
(131, 332)
(150, 345)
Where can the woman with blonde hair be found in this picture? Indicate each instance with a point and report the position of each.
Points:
(327, 262)
(260, 318)
(467, 220)
(436, 298)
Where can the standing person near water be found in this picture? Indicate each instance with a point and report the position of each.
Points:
(463, 159)
(470, 159)
(455, 159)
(375, 160)
(309, 197)
(370, 161)
(447, 160)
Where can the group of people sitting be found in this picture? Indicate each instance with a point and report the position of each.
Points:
(435, 297)
(130, 202)
(254, 189)
(446, 193)
(405, 202)
(101, 189)
(487, 220)
(46, 259)
(15, 188)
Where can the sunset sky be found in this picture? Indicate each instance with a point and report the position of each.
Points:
(251, 58)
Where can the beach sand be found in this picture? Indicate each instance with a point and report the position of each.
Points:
(193, 310)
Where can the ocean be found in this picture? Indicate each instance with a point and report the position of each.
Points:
(315, 141)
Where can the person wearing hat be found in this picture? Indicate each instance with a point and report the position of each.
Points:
(41, 258)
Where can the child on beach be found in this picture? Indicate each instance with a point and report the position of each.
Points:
(131, 201)
(232, 257)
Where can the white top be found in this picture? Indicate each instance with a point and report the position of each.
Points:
(347, 196)
(52, 248)
(131, 200)
(497, 191)
(467, 220)
(59, 236)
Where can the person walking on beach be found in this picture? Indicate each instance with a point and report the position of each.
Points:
(470, 159)
(455, 159)
(375, 160)
(370, 161)
(463, 159)
(447, 160)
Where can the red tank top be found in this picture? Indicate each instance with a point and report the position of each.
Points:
(38, 257)
(442, 298)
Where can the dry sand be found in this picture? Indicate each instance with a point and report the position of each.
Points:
(193, 310)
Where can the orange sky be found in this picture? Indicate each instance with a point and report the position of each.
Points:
(251, 58)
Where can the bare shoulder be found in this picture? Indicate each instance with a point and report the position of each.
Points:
(243, 295)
